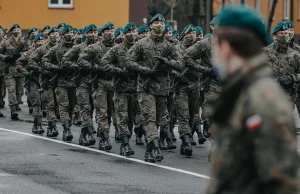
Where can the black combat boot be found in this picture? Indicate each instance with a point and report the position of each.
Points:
(13, 114)
(35, 126)
(82, 138)
(174, 139)
(1, 114)
(49, 129)
(206, 129)
(18, 108)
(170, 144)
(156, 150)
(2, 103)
(186, 147)
(197, 129)
(104, 143)
(54, 130)
(139, 134)
(192, 138)
(149, 154)
(40, 126)
(44, 113)
(117, 135)
(30, 110)
(162, 141)
(90, 135)
(67, 135)
(76, 119)
(125, 149)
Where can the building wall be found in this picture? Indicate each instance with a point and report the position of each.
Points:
(35, 13)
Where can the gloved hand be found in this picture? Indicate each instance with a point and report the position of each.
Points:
(163, 60)
(16, 56)
(95, 68)
(147, 71)
(74, 67)
(118, 71)
(8, 59)
(213, 72)
(286, 79)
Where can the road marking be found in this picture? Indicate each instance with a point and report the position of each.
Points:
(111, 154)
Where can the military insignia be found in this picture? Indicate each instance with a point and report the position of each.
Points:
(253, 123)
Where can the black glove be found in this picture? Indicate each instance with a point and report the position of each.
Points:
(213, 72)
(147, 71)
(163, 60)
(118, 71)
(286, 80)
(16, 56)
(8, 59)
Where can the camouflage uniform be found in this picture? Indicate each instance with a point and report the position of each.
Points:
(2, 80)
(255, 137)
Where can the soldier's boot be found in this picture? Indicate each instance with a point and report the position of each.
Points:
(2, 103)
(162, 141)
(117, 135)
(174, 139)
(30, 110)
(67, 134)
(125, 149)
(170, 144)
(149, 154)
(13, 114)
(90, 135)
(201, 138)
(76, 119)
(104, 143)
(138, 136)
(44, 113)
(35, 126)
(1, 114)
(206, 129)
(186, 147)
(49, 129)
(82, 138)
(40, 126)
(156, 150)
(18, 108)
(55, 132)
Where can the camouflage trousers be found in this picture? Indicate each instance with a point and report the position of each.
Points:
(85, 104)
(127, 112)
(172, 109)
(103, 102)
(154, 110)
(48, 99)
(2, 90)
(35, 98)
(66, 99)
(187, 106)
(15, 89)
(205, 110)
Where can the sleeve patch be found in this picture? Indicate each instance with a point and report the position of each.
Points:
(253, 123)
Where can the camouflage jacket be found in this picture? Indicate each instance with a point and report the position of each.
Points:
(142, 54)
(115, 58)
(202, 50)
(283, 61)
(90, 60)
(8, 48)
(294, 46)
(23, 62)
(52, 61)
(255, 149)
(71, 58)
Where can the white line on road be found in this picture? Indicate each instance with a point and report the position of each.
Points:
(111, 154)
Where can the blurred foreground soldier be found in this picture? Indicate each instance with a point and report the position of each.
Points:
(199, 33)
(2, 72)
(35, 63)
(119, 37)
(45, 31)
(143, 31)
(153, 99)
(10, 51)
(90, 59)
(84, 89)
(66, 88)
(255, 148)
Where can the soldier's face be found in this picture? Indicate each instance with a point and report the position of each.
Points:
(200, 36)
(16, 32)
(40, 43)
(144, 34)
(169, 33)
(283, 36)
(130, 35)
(291, 33)
(108, 34)
(79, 35)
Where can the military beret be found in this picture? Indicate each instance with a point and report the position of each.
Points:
(100, 30)
(239, 16)
(175, 33)
(108, 26)
(32, 30)
(53, 29)
(188, 26)
(61, 25)
(13, 27)
(38, 37)
(198, 30)
(118, 31)
(157, 17)
(207, 35)
(81, 30)
(67, 28)
(281, 26)
(168, 28)
(215, 20)
(91, 27)
(290, 24)
(128, 27)
(143, 28)
(45, 28)
(75, 30)
(83, 38)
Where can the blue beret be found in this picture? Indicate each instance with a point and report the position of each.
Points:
(128, 27)
(91, 27)
(281, 26)
(61, 25)
(175, 33)
(198, 30)
(290, 24)
(32, 30)
(157, 17)
(13, 27)
(240, 16)
(53, 29)
(143, 28)
(75, 30)
(214, 21)
(108, 26)
(37, 37)
(118, 31)
(45, 28)
(168, 28)
(187, 26)
(67, 28)
(100, 30)
(207, 35)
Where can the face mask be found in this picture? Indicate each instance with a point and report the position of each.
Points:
(158, 28)
(219, 65)
(100, 38)
(91, 37)
(130, 38)
(68, 37)
(119, 40)
(283, 39)
(291, 35)
(53, 39)
(15, 34)
(190, 39)
(108, 37)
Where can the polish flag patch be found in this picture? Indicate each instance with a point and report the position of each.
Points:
(253, 123)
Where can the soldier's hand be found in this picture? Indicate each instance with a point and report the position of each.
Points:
(118, 70)
(162, 60)
(74, 67)
(8, 59)
(286, 80)
(147, 71)
(16, 56)
(213, 72)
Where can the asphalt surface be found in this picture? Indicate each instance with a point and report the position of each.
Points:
(36, 164)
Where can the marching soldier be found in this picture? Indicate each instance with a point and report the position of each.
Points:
(2, 72)
(119, 36)
(78, 36)
(30, 36)
(100, 36)
(199, 33)
(143, 31)
(45, 31)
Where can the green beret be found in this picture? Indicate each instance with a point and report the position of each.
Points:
(100, 30)
(91, 27)
(39, 36)
(61, 25)
(108, 26)
(175, 33)
(281, 26)
(53, 29)
(81, 30)
(168, 28)
(32, 30)
(128, 27)
(191, 26)
(118, 31)
(83, 38)
(239, 16)
(143, 28)
(67, 28)
(13, 27)
(214, 21)
(207, 35)
(157, 17)
(198, 30)
(75, 30)
(45, 28)
(290, 24)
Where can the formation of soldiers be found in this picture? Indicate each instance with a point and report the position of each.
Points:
(142, 80)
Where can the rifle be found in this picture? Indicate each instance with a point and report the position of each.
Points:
(121, 78)
(29, 78)
(53, 80)
(94, 81)
(17, 52)
(146, 84)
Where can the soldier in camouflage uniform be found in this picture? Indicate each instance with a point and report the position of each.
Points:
(30, 36)
(143, 31)
(153, 100)
(78, 36)
(2, 80)
(32, 83)
(119, 36)
(66, 88)
(255, 147)
(90, 59)
(8, 53)
(48, 95)
(84, 88)
(284, 60)
(199, 33)
(100, 36)
(45, 31)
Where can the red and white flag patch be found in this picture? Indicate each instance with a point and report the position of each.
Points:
(253, 123)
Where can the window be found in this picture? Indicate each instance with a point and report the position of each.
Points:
(257, 5)
(287, 11)
(60, 4)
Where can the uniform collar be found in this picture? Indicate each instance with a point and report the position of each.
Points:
(280, 47)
